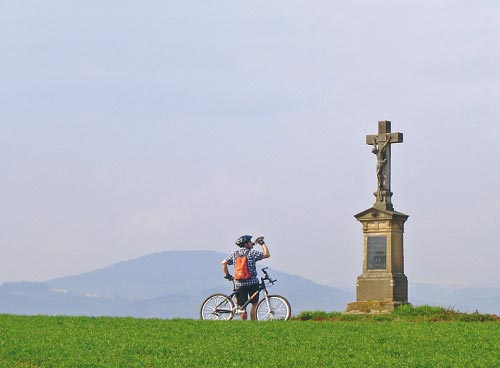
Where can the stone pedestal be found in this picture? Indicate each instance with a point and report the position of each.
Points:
(382, 286)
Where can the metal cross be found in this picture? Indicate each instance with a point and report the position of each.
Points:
(381, 143)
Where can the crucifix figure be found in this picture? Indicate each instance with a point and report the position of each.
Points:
(381, 143)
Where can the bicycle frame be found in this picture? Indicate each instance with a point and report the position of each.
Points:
(222, 307)
(262, 287)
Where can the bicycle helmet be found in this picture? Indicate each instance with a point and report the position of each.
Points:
(242, 240)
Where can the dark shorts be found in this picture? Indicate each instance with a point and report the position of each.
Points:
(244, 292)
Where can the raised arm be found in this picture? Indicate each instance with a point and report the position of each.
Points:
(265, 249)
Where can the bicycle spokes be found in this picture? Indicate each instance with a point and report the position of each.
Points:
(274, 307)
(217, 307)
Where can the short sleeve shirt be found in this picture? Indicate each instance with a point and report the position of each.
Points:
(253, 256)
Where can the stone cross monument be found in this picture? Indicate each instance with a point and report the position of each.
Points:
(383, 285)
(382, 149)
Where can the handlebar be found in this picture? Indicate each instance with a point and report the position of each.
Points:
(266, 277)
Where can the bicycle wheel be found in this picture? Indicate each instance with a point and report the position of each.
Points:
(273, 308)
(217, 307)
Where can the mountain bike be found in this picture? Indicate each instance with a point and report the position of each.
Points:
(223, 307)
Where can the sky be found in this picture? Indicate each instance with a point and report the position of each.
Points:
(128, 128)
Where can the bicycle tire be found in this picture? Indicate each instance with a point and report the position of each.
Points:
(277, 309)
(217, 307)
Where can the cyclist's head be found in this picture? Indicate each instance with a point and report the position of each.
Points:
(242, 240)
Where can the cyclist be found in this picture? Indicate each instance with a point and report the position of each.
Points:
(245, 288)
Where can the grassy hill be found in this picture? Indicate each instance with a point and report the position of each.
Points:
(41, 341)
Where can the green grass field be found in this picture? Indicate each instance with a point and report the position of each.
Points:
(126, 342)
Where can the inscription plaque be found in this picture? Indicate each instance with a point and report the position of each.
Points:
(377, 250)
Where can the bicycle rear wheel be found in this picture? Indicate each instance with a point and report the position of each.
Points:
(275, 307)
(217, 307)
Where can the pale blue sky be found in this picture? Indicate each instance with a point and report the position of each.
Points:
(133, 127)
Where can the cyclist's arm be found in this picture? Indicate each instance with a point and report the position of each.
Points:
(224, 267)
(265, 251)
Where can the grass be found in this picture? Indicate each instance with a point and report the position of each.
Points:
(403, 313)
(40, 341)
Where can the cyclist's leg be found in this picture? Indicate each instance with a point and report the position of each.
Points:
(253, 311)
(254, 289)
(241, 299)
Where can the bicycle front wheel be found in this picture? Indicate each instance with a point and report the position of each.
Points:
(217, 307)
(274, 307)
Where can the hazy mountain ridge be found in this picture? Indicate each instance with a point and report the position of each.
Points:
(162, 285)
(469, 298)
(174, 284)
(149, 276)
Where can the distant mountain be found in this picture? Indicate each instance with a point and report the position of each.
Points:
(162, 285)
(151, 276)
(174, 284)
(463, 298)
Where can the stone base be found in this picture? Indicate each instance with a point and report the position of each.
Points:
(382, 286)
(372, 307)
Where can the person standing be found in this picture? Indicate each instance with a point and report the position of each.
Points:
(249, 284)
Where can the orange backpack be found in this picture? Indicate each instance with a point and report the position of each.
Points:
(241, 271)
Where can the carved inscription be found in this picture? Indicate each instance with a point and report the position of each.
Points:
(377, 252)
